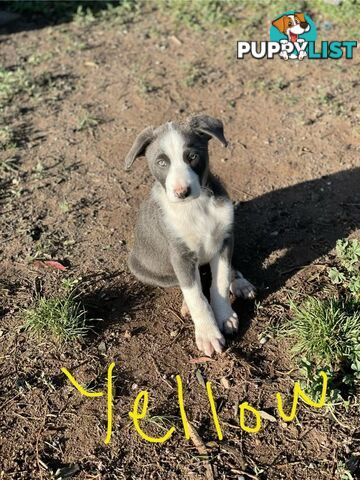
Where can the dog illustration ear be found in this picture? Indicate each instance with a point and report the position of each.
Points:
(209, 127)
(138, 149)
(280, 23)
(300, 17)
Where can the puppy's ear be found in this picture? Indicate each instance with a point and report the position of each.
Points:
(138, 149)
(301, 17)
(208, 126)
(280, 23)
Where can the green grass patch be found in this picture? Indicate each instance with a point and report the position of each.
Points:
(12, 83)
(347, 274)
(7, 138)
(201, 13)
(62, 317)
(87, 122)
(326, 331)
(248, 16)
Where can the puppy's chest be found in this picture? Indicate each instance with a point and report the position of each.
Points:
(202, 225)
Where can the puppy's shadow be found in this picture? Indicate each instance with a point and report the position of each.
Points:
(280, 232)
(109, 299)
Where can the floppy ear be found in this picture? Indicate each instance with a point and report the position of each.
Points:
(138, 149)
(209, 126)
(280, 23)
(300, 16)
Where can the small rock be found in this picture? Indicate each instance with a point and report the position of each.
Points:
(102, 347)
(225, 382)
(127, 334)
(264, 339)
(327, 25)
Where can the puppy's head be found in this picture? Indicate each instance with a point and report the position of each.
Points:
(292, 25)
(177, 154)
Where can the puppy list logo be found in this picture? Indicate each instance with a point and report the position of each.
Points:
(293, 36)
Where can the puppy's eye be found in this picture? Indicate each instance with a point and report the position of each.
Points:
(162, 163)
(193, 157)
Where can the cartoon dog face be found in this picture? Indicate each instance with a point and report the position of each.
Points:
(292, 25)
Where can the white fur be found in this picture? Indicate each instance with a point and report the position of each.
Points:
(180, 174)
(200, 223)
(226, 318)
(207, 334)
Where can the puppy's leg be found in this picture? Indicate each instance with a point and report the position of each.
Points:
(207, 334)
(240, 287)
(220, 266)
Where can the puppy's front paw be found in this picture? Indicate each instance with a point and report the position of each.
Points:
(209, 339)
(240, 287)
(226, 318)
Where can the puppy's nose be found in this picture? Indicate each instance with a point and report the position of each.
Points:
(304, 25)
(182, 192)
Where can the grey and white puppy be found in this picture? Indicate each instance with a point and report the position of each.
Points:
(186, 222)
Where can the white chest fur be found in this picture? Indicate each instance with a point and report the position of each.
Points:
(202, 224)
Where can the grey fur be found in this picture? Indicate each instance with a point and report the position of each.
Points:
(152, 259)
(139, 146)
(187, 221)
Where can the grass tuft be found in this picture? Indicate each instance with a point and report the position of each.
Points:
(7, 138)
(13, 82)
(62, 317)
(326, 331)
(201, 13)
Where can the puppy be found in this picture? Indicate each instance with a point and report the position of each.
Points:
(292, 26)
(186, 222)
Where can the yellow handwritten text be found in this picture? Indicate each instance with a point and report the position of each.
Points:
(140, 407)
(97, 394)
(299, 393)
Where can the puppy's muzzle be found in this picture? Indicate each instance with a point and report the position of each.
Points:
(182, 193)
(304, 25)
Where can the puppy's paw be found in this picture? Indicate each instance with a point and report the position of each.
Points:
(302, 55)
(225, 316)
(240, 287)
(230, 324)
(209, 339)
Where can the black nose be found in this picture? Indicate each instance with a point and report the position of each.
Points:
(304, 25)
(184, 193)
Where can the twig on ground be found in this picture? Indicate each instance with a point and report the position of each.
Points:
(200, 446)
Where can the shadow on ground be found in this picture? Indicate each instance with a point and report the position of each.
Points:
(282, 231)
(23, 15)
(109, 300)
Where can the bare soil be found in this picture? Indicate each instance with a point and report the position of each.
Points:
(292, 169)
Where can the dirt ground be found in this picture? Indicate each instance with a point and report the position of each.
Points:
(292, 169)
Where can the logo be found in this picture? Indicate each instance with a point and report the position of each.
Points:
(293, 31)
(293, 37)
